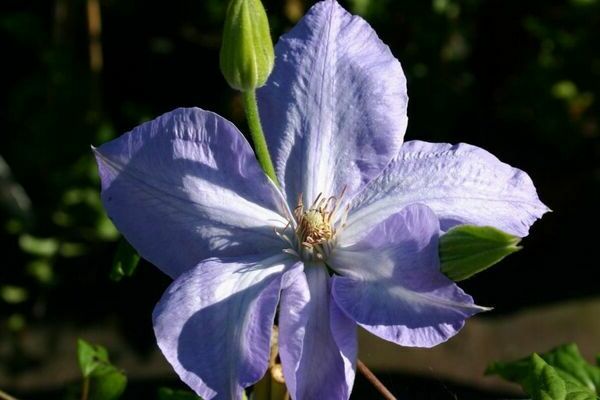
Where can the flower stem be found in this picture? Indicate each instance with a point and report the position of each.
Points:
(257, 134)
(85, 388)
(387, 395)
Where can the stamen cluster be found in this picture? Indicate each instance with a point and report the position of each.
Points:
(315, 225)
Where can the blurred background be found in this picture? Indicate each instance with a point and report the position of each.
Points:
(518, 78)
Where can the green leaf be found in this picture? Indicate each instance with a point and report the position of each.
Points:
(103, 380)
(45, 247)
(544, 382)
(466, 250)
(13, 294)
(125, 261)
(550, 373)
(538, 379)
(90, 357)
(41, 270)
(572, 366)
(171, 394)
(107, 383)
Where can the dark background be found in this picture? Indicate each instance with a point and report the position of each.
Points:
(518, 78)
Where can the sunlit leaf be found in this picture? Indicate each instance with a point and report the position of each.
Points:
(13, 294)
(536, 377)
(107, 383)
(72, 249)
(103, 381)
(38, 246)
(105, 229)
(90, 357)
(41, 270)
(561, 374)
(564, 90)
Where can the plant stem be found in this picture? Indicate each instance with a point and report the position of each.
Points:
(257, 134)
(6, 396)
(387, 395)
(85, 389)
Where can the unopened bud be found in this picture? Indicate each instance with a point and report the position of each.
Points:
(247, 50)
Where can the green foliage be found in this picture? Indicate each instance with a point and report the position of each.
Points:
(15, 322)
(125, 262)
(171, 394)
(561, 374)
(13, 294)
(466, 250)
(38, 246)
(102, 380)
(90, 357)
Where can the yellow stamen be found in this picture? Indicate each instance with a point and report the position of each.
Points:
(314, 230)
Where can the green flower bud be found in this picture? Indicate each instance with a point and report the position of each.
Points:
(247, 55)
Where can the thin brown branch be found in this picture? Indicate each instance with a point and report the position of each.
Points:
(94, 20)
(370, 376)
(6, 396)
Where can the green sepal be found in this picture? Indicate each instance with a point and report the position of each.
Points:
(561, 374)
(247, 55)
(466, 250)
(104, 380)
(125, 261)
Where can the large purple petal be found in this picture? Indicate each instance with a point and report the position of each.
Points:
(213, 324)
(334, 109)
(317, 344)
(391, 283)
(462, 184)
(185, 187)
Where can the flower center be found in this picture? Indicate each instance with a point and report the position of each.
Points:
(315, 230)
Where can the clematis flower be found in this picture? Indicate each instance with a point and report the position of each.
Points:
(350, 238)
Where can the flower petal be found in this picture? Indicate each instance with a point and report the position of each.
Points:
(185, 187)
(334, 109)
(213, 324)
(462, 184)
(317, 344)
(391, 283)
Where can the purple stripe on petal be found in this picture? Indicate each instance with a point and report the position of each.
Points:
(317, 361)
(391, 284)
(213, 324)
(334, 109)
(186, 186)
(462, 184)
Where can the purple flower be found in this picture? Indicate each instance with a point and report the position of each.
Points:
(351, 238)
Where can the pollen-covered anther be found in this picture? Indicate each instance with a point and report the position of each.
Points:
(315, 228)
(314, 225)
